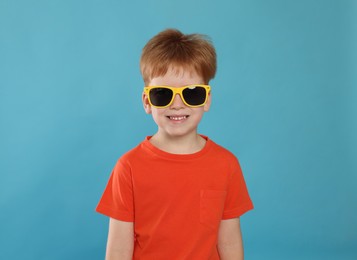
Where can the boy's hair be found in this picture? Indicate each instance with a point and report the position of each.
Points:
(171, 48)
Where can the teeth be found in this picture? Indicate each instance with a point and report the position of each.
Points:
(177, 118)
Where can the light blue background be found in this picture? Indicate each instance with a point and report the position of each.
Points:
(284, 101)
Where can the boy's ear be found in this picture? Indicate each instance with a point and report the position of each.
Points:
(208, 103)
(146, 104)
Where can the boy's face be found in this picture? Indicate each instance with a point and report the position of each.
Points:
(176, 119)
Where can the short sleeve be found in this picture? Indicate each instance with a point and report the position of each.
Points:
(238, 200)
(117, 199)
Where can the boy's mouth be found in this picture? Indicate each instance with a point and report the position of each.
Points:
(177, 118)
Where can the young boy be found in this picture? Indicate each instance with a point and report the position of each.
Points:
(177, 195)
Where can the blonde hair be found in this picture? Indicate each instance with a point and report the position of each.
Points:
(171, 48)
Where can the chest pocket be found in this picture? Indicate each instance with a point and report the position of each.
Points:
(211, 207)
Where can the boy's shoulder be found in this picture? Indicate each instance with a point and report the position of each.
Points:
(132, 153)
(223, 151)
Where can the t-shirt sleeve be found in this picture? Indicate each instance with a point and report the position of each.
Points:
(117, 199)
(238, 200)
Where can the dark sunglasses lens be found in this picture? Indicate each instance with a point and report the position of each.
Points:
(194, 96)
(160, 96)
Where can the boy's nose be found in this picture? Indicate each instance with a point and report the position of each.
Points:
(177, 103)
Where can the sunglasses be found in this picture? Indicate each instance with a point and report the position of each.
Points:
(191, 95)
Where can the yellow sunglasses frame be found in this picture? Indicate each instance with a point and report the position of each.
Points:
(177, 91)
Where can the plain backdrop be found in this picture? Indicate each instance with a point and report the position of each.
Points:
(284, 101)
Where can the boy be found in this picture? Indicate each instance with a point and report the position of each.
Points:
(177, 195)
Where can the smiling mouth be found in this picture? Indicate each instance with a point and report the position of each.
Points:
(177, 118)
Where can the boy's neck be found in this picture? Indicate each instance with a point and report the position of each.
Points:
(178, 144)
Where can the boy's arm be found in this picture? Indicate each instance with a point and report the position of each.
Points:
(230, 244)
(120, 243)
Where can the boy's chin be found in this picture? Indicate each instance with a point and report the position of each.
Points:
(181, 133)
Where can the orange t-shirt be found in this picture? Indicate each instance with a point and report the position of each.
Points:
(176, 201)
